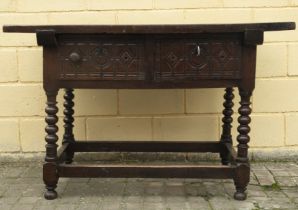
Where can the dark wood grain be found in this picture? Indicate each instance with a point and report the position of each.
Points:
(227, 120)
(231, 153)
(146, 171)
(68, 136)
(50, 175)
(241, 181)
(146, 146)
(61, 153)
(153, 29)
(132, 84)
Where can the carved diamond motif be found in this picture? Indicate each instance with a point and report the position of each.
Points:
(125, 58)
(222, 55)
(172, 59)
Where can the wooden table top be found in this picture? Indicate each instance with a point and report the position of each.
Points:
(152, 29)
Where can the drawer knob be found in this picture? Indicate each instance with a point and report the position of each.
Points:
(198, 50)
(75, 57)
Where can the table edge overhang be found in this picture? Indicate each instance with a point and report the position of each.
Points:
(152, 29)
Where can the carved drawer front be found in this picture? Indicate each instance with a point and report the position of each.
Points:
(192, 59)
(102, 59)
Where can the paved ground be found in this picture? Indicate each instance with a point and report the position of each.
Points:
(273, 186)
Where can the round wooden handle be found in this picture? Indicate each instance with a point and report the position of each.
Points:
(75, 57)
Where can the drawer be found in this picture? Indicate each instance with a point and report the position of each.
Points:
(91, 57)
(197, 58)
(101, 58)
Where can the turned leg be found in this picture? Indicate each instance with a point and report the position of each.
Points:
(50, 175)
(241, 178)
(68, 136)
(227, 120)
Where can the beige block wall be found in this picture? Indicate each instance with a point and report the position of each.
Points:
(147, 114)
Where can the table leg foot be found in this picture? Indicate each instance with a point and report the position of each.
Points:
(240, 195)
(50, 193)
(68, 161)
(225, 162)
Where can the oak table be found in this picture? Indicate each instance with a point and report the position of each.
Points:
(149, 56)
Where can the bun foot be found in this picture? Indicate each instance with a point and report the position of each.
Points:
(68, 161)
(50, 194)
(240, 196)
(225, 162)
